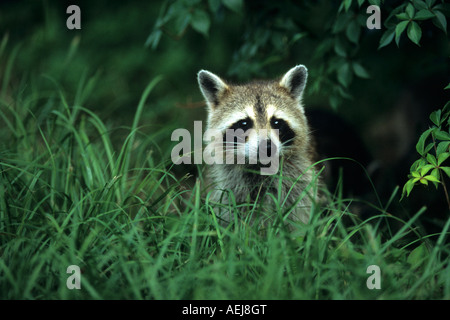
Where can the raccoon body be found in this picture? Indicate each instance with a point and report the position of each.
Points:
(267, 116)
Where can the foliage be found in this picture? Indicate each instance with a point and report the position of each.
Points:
(433, 147)
(409, 16)
(275, 31)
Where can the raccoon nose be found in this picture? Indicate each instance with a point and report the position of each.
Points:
(268, 147)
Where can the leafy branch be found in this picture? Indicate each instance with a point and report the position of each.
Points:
(408, 16)
(431, 167)
(275, 31)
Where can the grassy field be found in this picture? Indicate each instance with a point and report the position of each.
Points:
(69, 197)
(79, 189)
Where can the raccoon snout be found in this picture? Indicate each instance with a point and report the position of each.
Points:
(267, 148)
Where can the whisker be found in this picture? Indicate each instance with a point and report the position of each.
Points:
(284, 144)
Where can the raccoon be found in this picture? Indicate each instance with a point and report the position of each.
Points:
(272, 107)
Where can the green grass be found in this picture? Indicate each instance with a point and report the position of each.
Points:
(70, 196)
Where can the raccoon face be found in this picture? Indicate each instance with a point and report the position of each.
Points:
(258, 121)
(249, 144)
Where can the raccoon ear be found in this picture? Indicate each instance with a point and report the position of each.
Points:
(295, 80)
(211, 86)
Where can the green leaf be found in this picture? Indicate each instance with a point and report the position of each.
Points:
(431, 178)
(447, 87)
(442, 147)
(347, 4)
(441, 135)
(421, 143)
(344, 74)
(431, 159)
(410, 10)
(414, 32)
(153, 39)
(360, 71)
(419, 4)
(339, 48)
(442, 157)
(446, 108)
(402, 16)
(435, 173)
(415, 174)
(407, 188)
(201, 22)
(435, 117)
(340, 23)
(297, 37)
(399, 30)
(182, 21)
(417, 164)
(428, 147)
(446, 170)
(353, 31)
(424, 14)
(441, 21)
(387, 38)
(234, 5)
(424, 170)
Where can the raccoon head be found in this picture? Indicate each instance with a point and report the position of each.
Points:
(258, 121)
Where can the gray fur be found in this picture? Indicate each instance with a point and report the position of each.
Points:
(260, 101)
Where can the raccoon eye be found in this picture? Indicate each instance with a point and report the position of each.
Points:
(285, 132)
(237, 137)
(245, 124)
(277, 123)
